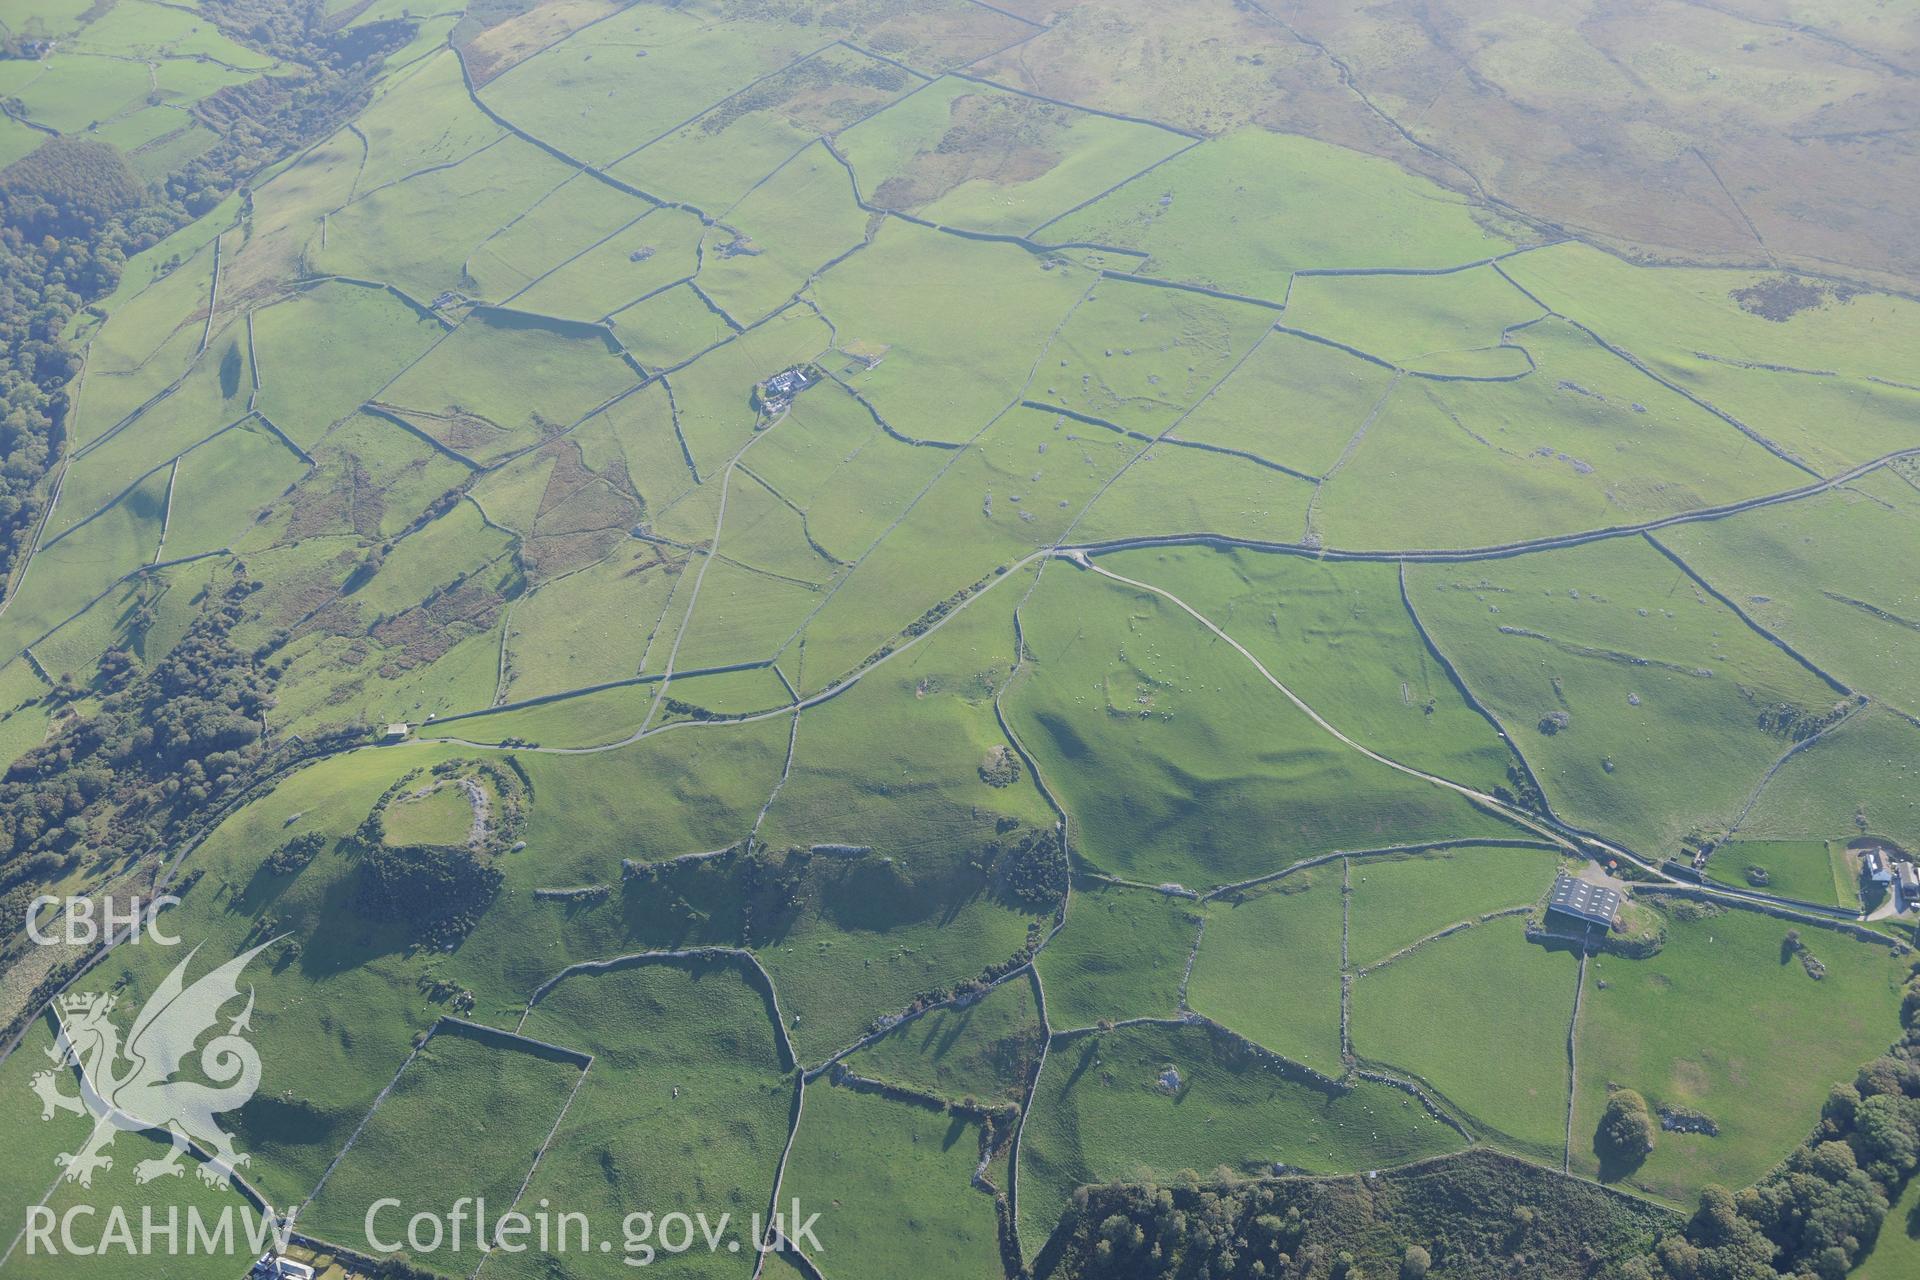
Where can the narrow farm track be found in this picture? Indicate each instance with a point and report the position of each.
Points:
(693, 598)
(1577, 842)
(1204, 538)
(1479, 797)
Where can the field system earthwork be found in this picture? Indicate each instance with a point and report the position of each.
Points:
(1115, 713)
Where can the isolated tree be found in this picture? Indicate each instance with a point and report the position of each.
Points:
(1415, 1263)
(1627, 1127)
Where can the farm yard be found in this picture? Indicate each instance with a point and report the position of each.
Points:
(822, 602)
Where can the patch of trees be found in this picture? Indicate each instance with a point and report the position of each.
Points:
(438, 892)
(1484, 1215)
(1819, 1213)
(1000, 767)
(68, 186)
(1781, 298)
(1521, 790)
(72, 213)
(1029, 867)
(1478, 1214)
(1627, 1129)
(936, 614)
(163, 747)
(292, 857)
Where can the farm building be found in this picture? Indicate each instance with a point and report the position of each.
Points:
(777, 392)
(1878, 868)
(1587, 903)
(1907, 880)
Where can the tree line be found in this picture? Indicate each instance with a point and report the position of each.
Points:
(1813, 1218)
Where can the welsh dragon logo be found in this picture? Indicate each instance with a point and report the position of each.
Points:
(134, 1086)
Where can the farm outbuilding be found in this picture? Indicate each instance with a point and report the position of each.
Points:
(1587, 903)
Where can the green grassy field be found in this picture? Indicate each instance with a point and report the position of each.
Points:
(1122, 954)
(120, 1186)
(690, 1116)
(1429, 324)
(1725, 1022)
(222, 487)
(1445, 1012)
(442, 815)
(586, 628)
(1142, 357)
(1341, 637)
(1233, 222)
(1126, 702)
(795, 222)
(69, 575)
(1289, 935)
(933, 384)
(966, 154)
(1177, 491)
(913, 1210)
(1858, 778)
(564, 224)
(1695, 310)
(1811, 574)
(415, 232)
(1397, 901)
(1809, 870)
(464, 1119)
(1587, 441)
(324, 351)
(1897, 1249)
(1645, 705)
(870, 936)
(322, 1072)
(1292, 401)
(501, 382)
(1103, 1112)
(703, 787)
(718, 157)
(834, 462)
(985, 1051)
(602, 110)
(180, 395)
(614, 272)
(712, 397)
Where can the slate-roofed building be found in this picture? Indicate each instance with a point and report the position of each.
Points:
(1587, 903)
(777, 392)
